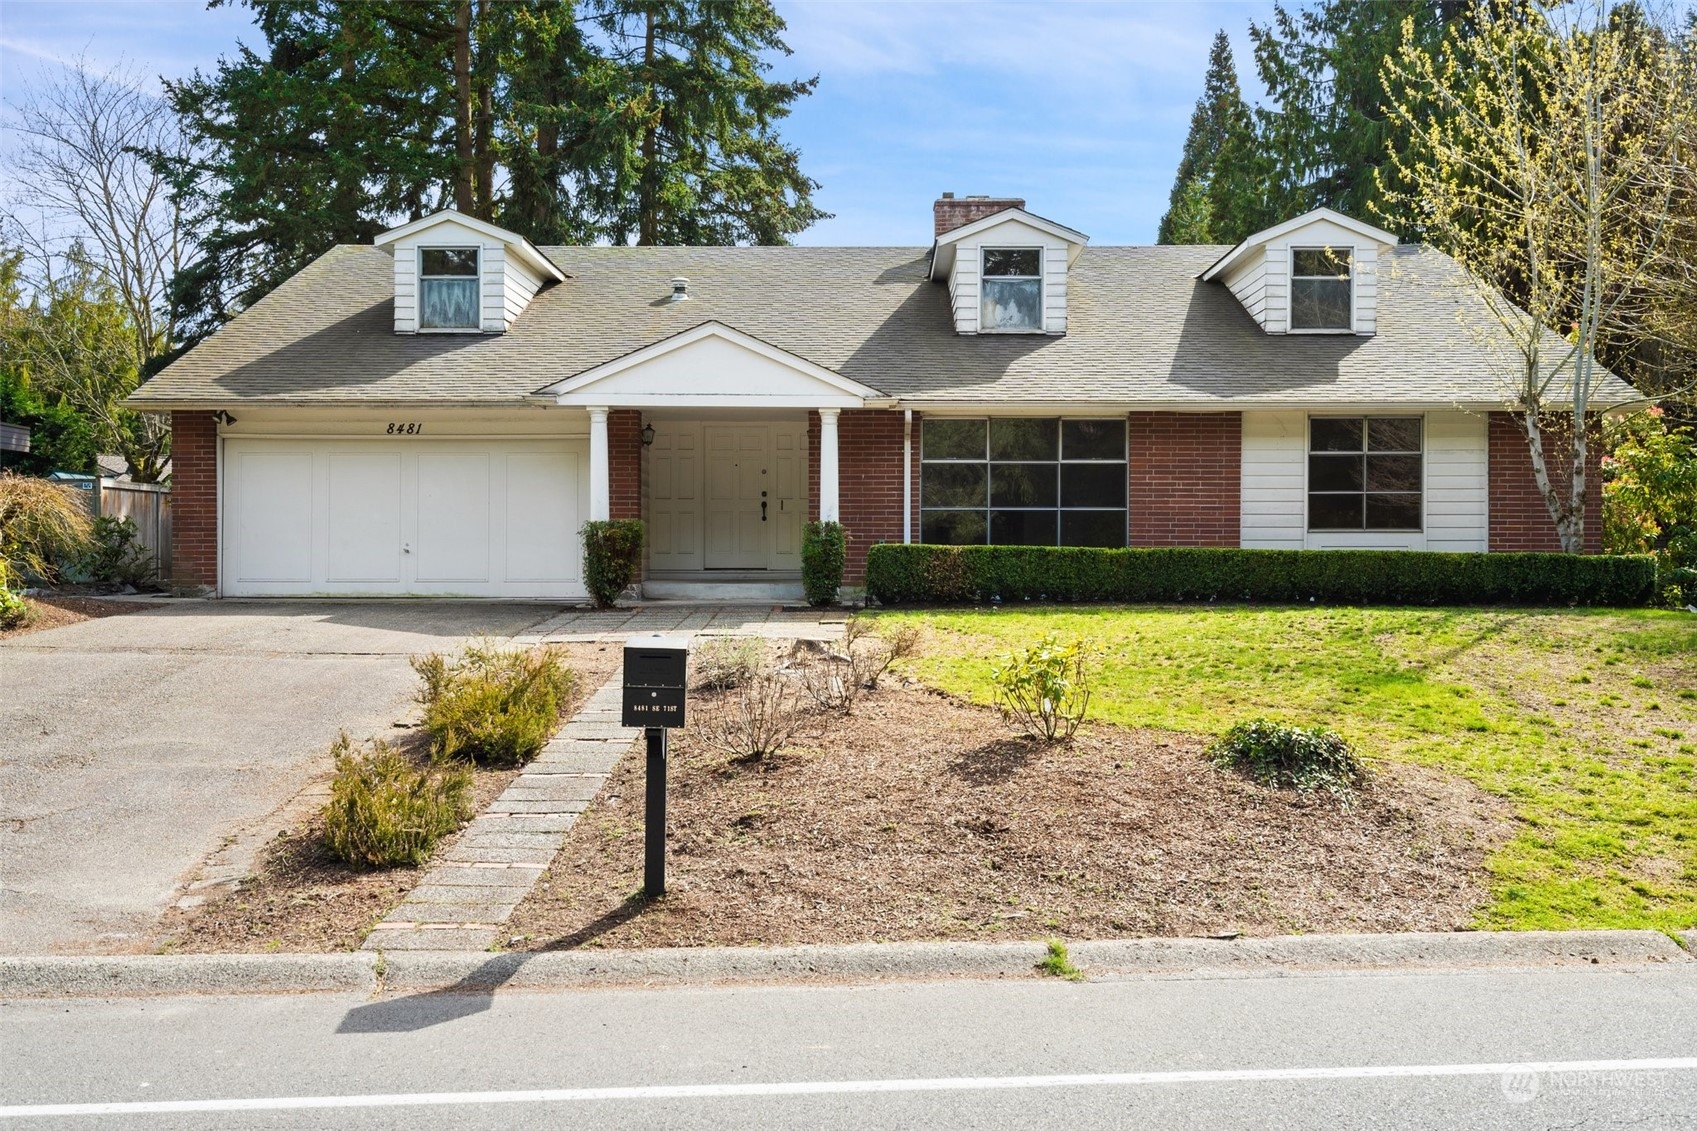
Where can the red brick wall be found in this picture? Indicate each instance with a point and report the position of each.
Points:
(1520, 519)
(1186, 471)
(951, 212)
(624, 463)
(869, 481)
(194, 499)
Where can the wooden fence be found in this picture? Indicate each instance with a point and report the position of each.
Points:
(148, 505)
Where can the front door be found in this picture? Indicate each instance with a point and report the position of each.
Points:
(739, 497)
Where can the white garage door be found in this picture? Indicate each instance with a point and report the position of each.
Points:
(469, 518)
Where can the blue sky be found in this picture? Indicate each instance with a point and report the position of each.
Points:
(1079, 107)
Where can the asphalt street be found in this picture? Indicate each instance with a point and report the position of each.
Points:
(1568, 1047)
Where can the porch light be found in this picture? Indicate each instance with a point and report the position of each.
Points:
(647, 435)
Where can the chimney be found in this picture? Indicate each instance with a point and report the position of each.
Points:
(951, 212)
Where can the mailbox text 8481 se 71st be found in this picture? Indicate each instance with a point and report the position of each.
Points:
(656, 678)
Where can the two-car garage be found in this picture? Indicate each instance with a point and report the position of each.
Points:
(403, 516)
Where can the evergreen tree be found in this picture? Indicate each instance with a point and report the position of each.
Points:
(1220, 113)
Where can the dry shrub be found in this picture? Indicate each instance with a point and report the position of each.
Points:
(721, 662)
(758, 717)
(42, 527)
(492, 705)
(834, 680)
(385, 812)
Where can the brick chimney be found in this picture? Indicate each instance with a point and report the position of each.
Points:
(951, 212)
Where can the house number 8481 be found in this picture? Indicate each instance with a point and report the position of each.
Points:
(411, 428)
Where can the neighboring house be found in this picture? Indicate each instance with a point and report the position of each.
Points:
(439, 413)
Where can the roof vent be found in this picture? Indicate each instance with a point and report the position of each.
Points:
(680, 289)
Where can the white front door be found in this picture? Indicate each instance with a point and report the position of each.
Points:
(409, 516)
(739, 475)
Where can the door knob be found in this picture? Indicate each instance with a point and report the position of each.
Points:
(762, 510)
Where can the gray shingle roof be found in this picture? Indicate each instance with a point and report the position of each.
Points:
(1141, 330)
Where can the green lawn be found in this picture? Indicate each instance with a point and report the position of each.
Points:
(1585, 721)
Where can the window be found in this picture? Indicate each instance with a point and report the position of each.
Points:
(450, 296)
(1022, 482)
(1364, 473)
(1011, 291)
(1321, 296)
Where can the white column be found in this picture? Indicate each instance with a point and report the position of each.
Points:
(907, 476)
(828, 465)
(600, 476)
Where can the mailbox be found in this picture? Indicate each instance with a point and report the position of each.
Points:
(656, 681)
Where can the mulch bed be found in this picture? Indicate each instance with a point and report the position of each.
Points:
(57, 612)
(301, 898)
(921, 817)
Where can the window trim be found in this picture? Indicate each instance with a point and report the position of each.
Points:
(420, 276)
(1042, 287)
(1060, 461)
(1290, 289)
(1310, 530)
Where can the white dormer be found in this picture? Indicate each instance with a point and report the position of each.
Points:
(458, 275)
(1007, 273)
(1316, 274)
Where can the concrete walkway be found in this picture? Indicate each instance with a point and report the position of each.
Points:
(771, 621)
(132, 746)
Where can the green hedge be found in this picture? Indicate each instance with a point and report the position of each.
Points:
(824, 547)
(898, 574)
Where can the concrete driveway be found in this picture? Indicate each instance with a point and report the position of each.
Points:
(131, 746)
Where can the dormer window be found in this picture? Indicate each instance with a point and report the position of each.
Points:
(1321, 289)
(450, 294)
(1011, 301)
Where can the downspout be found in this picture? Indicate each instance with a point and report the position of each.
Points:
(907, 476)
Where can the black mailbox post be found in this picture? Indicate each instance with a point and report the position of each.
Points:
(656, 687)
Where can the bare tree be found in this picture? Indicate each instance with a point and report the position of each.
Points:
(90, 205)
(1554, 147)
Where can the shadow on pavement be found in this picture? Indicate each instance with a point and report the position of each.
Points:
(471, 995)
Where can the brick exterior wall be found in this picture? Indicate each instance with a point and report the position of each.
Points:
(951, 212)
(624, 463)
(1186, 472)
(1520, 520)
(869, 481)
(194, 500)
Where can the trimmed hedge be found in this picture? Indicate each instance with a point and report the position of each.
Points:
(824, 548)
(940, 575)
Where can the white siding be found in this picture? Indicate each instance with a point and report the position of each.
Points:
(520, 285)
(507, 284)
(1457, 482)
(963, 279)
(1262, 284)
(1249, 284)
(406, 292)
(1275, 456)
(1366, 289)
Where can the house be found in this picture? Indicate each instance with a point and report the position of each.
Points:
(438, 413)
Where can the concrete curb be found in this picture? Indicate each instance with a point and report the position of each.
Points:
(458, 971)
(1688, 939)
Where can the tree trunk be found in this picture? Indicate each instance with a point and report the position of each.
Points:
(1567, 509)
(463, 186)
(648, 198)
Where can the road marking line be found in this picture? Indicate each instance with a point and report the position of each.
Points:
(840, 1087)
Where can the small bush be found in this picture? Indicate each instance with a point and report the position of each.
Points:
(824, 548)
(612, 553)
(721, 662)
(834, 680)
(1289, 757)
(492, 705)
(385, 812)
(15, 611)
(756, 718)
(115, 556)
(1045, 689)
(898, 574)
(43, 527)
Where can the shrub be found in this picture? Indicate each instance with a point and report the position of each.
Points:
(722, 662)
(14, 609)
(898, 574)
(43, 526)
(113, 554)
(384, 811)
(1045, 689)
(824, 546)
(756, 718)
(1289, 757)
(612, 553)
(834, 680)
(492, 705)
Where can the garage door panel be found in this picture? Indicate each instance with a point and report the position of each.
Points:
(453, 517)
(542, 517)
(273, 534)
(364, 510)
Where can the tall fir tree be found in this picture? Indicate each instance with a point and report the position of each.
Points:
(1220, 114)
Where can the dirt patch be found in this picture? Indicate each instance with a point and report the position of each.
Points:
(300, 898)
(920, 817)
(57, 612)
